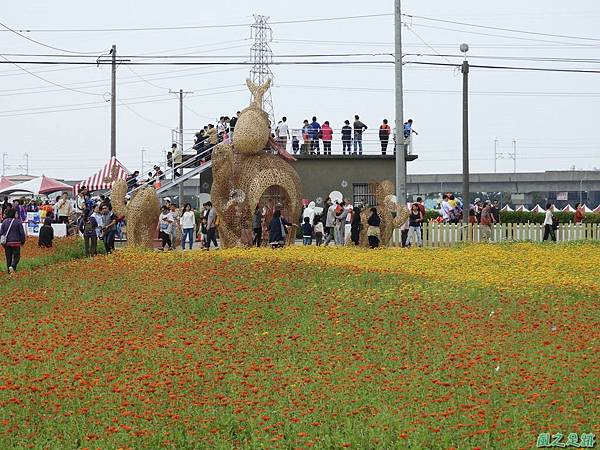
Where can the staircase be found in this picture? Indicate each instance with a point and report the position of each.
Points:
(170, 184)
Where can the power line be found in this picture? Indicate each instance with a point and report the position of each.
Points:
(192, 56)
(423, 41)
(145, 80)
(194, 27)
(511, 30)
(440, 91)
(513, 58)
(4, 114)
(42, 44)
(560, 46)
(143, 117)
(294, 63)
(535, 69)
(497, 35)
(329, 19)
(188, 63)
(48, 81)
(99, 83)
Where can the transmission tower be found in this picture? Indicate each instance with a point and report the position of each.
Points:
(261, 56)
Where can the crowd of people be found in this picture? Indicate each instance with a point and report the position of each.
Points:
(94, 220)
(313, 134)
(305, 140)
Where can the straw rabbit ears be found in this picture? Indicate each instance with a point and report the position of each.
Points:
(258, 92)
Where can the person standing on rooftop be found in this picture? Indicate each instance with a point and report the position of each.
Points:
(359, 128)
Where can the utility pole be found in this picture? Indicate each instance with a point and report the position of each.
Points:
(465, 134)
(181, 93)
(26, 156)
(495, 153)
(4, 155)
(399, 120)
(113, 104)
(143, 150)
(514, 155)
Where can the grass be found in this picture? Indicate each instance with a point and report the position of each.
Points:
(476, 347)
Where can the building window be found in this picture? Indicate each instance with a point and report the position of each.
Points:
(363, 193)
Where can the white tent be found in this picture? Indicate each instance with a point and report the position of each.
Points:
(538, 209)
(587, 210)
(507, 208)
(521, 208)
(568, 208)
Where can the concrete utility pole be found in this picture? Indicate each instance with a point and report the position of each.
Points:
(465, 134)
(26, 156)
(4, 155)
(514, 155)
(113, 104)
(399, 121)
(181, 93)
(495, 153)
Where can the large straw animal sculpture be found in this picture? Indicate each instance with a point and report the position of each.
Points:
(245, 170)
(141, 212)
(392, 214)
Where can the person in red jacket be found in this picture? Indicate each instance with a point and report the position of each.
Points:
(327, 137)
(14, 238)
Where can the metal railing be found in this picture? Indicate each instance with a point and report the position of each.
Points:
(168, 173)
(371, 144)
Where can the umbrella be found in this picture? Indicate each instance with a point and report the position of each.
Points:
(538, 209)
(5, 183)
(521, 208)
(507, 208)
(38, 186)
(568, 208)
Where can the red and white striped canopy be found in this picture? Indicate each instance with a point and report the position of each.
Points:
(104, 179)
(5, 182)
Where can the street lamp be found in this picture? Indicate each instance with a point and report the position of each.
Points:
(464, 48)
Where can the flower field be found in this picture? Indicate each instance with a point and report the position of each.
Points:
(481, 346)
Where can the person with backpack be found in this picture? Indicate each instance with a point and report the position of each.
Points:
(46, 235)
(87, 226)
(12, 238)
(550, 224)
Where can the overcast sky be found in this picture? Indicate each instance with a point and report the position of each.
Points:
(552, 116)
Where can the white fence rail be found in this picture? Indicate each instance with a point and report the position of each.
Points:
(447, 234)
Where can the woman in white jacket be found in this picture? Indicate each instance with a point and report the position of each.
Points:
(188, 225)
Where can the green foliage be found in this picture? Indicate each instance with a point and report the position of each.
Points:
(531, 217)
